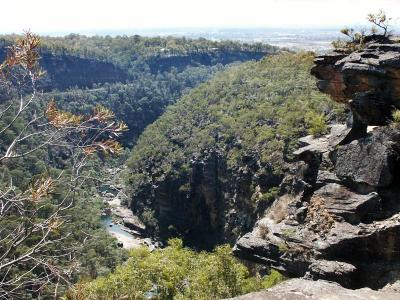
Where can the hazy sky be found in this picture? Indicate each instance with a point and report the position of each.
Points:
(82, 15)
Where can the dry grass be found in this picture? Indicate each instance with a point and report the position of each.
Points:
(278, 211)
(262, 230)
(318, 218)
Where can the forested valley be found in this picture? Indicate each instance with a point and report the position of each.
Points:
(69, 83)
(200, 150)
(174, 168)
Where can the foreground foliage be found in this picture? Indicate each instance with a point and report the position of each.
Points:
(175, 272)
(38, 199)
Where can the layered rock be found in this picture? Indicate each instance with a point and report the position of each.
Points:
(343, 224)
(367, 80)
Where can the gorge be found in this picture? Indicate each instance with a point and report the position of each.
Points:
(175, 168)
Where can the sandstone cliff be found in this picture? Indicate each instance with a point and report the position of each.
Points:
(66, 70)
(337, 216)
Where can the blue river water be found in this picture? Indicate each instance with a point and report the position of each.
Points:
(114, 228)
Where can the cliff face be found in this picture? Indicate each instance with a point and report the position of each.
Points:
(207, 206)
(164, 63)
(338, 214)
(65, 71)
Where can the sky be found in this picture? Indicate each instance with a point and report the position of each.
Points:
(50, 16)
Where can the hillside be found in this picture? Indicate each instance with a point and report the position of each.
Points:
(136, 77)
(214, 160)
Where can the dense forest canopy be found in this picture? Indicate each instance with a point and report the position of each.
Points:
(132, 52)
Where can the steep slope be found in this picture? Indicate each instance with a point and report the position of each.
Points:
(341, 222)
(212, 162)
(136, 77)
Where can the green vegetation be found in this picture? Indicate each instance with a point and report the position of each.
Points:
(50, 227)
(138, 103)
(356, 40)
(317, 125)
(175, 272)
(258, 107)
(132, 53)
(250, 113)
(151, 73)
(269, 196)
(155, 72)
(396, 117)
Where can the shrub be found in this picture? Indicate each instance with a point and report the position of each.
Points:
(356, 39)
(263, 230)
(396, 116)
(316, 124)
(270, 195)
(175, 272)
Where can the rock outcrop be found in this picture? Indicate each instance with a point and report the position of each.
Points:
(367, 80)
(343, 224)
(301, 289)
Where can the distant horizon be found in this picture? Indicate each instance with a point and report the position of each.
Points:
(102, 16)
(181, 30)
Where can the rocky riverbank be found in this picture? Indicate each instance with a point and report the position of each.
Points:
(119, 220)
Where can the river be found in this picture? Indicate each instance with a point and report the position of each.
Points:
(128, 240)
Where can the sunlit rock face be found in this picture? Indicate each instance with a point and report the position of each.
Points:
(367, 80)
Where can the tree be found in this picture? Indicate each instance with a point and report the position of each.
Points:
(381, 21)
(33, 257)
(357, 39)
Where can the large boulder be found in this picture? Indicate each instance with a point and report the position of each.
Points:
(337, 271)
(342, 203)
(369, 161)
